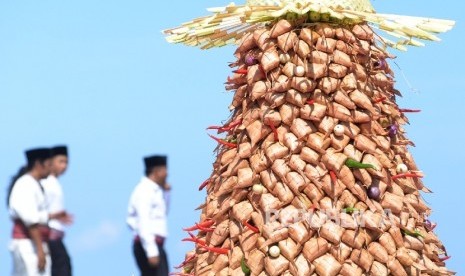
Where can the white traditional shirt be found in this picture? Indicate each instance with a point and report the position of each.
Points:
(55, 200)
(147, 214)
(27, 202)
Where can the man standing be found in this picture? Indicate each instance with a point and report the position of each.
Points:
(61, 263)
(147, 218)
(28, 210)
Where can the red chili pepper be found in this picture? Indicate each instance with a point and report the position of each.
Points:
(192, 228)
(251, 227)
(206, 224)
(333, 176)
(382, 99)
(204, 228)
(204, 184)
(223, 142)
(235, 123)
(224, 128)
(218, 250)
(310, 102)
(443, 259)
(194, 239)
(220, 129)
(410, 110)
(241, 71)
(405, 175)
(275, 131)
(186, 261)
(227, 127)
(214, 127)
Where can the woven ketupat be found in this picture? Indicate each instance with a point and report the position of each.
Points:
(314, 176)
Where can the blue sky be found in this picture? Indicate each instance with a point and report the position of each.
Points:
(98, 76)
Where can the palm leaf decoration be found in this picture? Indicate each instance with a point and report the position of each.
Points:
(227, 25)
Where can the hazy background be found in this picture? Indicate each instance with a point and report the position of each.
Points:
(98, 76)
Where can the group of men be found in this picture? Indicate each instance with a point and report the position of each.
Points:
(35, 204)
(36, 207)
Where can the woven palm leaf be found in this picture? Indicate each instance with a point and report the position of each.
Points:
(227, 25)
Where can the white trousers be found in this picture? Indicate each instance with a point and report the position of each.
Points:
(25, 262)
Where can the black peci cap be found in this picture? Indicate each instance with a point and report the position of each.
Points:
(38, 154)
(59, 150)
(155, 161)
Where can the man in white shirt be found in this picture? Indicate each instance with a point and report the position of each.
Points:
(28, 210)
(147, 218)
(61, 262)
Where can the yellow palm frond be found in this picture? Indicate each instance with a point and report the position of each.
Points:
(228, 24)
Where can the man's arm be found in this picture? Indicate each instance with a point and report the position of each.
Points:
(142, 205)
(167, 196)
(34, 233)
(24, 202)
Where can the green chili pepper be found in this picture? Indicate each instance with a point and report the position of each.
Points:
(244, 267)
(354, 164)
(350, 210)
(188, 269)
(414, 234)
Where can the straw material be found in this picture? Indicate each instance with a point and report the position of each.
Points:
(362, 258)
(306, 147)
(220, 263)
(289, 248)
(314, 248)
(379, 269)
(341, 253)
(351, 269)
(301, 267)
(332, 232)
(276, 266)
(378, 252)
(327, 265)
(327, 125)
(388, 243)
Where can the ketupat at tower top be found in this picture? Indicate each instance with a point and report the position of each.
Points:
(314, 175)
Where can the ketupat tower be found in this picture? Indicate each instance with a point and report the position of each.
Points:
(314, 176)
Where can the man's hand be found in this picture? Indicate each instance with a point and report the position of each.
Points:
(34, 233)
(63, 217)
(68, 219)
(154, 261)
(41, 260)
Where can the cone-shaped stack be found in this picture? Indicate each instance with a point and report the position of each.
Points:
(314, 176)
